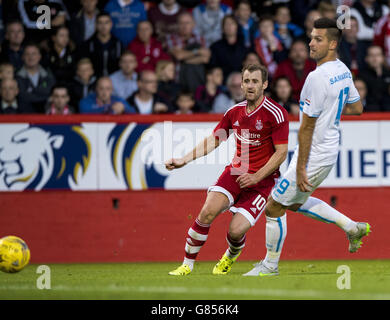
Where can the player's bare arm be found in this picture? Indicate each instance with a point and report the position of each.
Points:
(353, 109)
(273, 163)
(203, 148)
(305, 136)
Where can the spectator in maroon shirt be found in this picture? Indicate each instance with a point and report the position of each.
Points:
(296, 67)
(164, 19)
(147, 49)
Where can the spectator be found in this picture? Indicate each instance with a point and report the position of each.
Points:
(83, 83)
(164, 19)
(251, 58)
(327, 10)
(351, 50)
(7, 71)
(367, 13)
(12, 48)
(282, 94)
(59, 101)
(361, 87)
(268, 47)
(296, 67)
(10, 100)
(229, 52)
(168, 88)
(208, 20)
(285, 30)
(103, 101)
(382, 36)
(146, 100)
(124, 80)
(185, 103)
(377, 78)
(125, 14)
(206, 94)
(34, 81)
(30, 17)
(312, 16)
(247, 24)
(190, 53)
(83, 24)
(102, 48)
(60, 55)
(224, 101)
(146, 48)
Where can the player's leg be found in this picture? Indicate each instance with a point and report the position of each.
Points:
(247, 210)
(216, 202)
(319, 210)
(275, 234)
(236, 236)
(282, 196)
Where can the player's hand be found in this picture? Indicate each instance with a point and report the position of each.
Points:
(303, 182)
(246, 180)
(174, 164)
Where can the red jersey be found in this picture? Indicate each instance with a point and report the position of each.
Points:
(256, 135)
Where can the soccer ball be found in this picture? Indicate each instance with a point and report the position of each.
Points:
(14, 254)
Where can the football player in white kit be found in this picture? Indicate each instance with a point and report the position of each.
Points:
(327, 93)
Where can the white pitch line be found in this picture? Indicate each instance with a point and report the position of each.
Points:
(286, 293)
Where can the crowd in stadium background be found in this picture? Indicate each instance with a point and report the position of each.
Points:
(184, 56)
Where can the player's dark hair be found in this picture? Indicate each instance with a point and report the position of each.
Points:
(257, 67)
(332, 30)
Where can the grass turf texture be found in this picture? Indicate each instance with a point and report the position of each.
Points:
(370, 279)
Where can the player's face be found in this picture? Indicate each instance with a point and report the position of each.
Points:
(252, 85)
(319, 44)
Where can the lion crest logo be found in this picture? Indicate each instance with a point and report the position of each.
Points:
(37, 157)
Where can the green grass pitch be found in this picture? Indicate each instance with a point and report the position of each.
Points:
(370, 279)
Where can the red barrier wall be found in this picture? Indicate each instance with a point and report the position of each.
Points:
(152, 225)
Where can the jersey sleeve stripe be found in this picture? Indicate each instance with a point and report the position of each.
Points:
(275, 115)
(276, 109)
(353, 101)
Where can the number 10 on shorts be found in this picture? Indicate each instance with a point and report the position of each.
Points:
(259, 202)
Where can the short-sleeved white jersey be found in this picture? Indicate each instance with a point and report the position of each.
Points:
(325, 92)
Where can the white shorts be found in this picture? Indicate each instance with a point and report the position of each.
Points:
(286, 191)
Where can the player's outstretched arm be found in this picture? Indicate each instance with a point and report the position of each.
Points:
(203, 148)
(353, 109)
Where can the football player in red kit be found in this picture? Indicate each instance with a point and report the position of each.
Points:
(260, 127)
